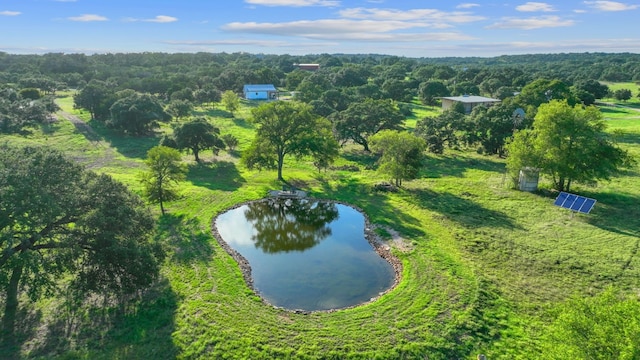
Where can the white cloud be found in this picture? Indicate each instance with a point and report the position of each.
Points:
(10, 13)
(610, 5)
(535, 6)
(157, 19)
(293, 3)
(367, 24)
(424, 15)
(532, 23)
(327, 26)
(361, 30)
(88, 17)
(162, 19)
(467, 6)
(233, 42)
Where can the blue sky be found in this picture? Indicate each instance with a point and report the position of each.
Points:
(398, 27)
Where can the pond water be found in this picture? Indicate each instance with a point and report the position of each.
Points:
(306, 254)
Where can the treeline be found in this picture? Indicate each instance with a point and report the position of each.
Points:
(163, 73)
(360, 94)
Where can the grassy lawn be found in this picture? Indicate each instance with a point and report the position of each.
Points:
(634, 102)
(486, 265)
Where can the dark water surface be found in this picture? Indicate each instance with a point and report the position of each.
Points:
(306, 254)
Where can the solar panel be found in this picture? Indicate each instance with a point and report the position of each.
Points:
(574, 202)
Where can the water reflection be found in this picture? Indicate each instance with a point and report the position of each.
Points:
(291, 224)
(306, 254)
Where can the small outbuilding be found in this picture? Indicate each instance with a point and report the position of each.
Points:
(468, 101)
(260, 92)
(308, 67)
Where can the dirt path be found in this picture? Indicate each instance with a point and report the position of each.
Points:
(617, 105)
(87, 131)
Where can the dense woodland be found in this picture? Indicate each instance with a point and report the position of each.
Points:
(373, 113)
(162, 86)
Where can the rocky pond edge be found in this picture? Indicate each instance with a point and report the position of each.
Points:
(378, 244)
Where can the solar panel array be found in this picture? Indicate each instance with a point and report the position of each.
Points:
(575, 202)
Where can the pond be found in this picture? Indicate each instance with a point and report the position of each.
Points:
(306, 254)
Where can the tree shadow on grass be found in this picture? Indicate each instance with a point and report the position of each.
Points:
(218, 175)
(213, 112)
(628, 138)
(138, 328)
(377, 205)
(460, 209)
(366, 159)
(242, 123)
(28, 320)
(129, 146)
(187, 240)
(618, 213)
(453, 165)
(49, 127)
(608, 110)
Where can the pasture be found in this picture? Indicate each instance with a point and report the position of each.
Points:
(485, 266)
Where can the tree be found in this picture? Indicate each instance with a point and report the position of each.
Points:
(397, 90)
(429, 91)
(180, 108)
(492, 126)
(569, 144)
(324, 148)
(542, 91)
(16, 114)
(465, 88)
(198, 135)
(230, 141)
(30, 93)
(440, 130)
(96, 97)
(62, 226)
(136, 114)
(622, 94)
(165, 171)
(287, 128)
(365, 118)
(230, 101)
(207, 95)
(185, 94)
(312, 87)
(594, 87)
(400, 154)
(606, 326)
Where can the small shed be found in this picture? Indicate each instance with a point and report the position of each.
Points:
(469, 102)
(260, 92)
(308, 67)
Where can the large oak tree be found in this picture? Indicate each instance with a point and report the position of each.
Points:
(365, 118)
(288, 127)
(567, 143)
(136, 114)
(197, 135)
(63, 226)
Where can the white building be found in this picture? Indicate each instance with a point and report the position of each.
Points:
(469, 102)
(260, 92)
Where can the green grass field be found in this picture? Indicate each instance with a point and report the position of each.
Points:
(485, 268)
